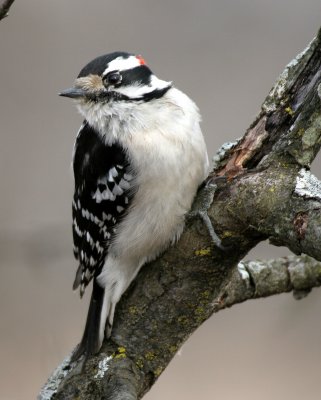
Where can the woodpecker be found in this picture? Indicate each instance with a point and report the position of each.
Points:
(138, 160)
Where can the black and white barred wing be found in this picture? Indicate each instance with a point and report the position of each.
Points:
(103, 190)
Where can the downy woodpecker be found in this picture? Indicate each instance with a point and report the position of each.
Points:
(138, 160)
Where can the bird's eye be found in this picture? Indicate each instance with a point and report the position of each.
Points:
(113, 78)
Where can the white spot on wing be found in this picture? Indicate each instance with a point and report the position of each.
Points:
(85, 213)
(124, 184)
(112, 173)
(87, 274)
(98, 247)
(128, 177)
(97, 196)
(89, 239)
(106, 233)
(105, 194)
(77, 229)
(108, 195)
(117, 191)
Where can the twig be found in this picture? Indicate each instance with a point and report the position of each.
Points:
(4, 8)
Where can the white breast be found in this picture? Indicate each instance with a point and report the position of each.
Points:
(166, 149)
(168, 155)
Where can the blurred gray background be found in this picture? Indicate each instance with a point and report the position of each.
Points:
(226, 56)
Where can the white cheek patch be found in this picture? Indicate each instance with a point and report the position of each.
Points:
(121, 64)
(137, 90)
(156, 83)
(133, 91)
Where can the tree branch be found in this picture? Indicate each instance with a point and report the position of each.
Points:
(267, 192)
(256, 279)
(250, 280)
(4, 8)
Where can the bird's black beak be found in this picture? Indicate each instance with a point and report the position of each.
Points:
(73, 93)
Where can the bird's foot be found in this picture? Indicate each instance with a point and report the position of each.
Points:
(200, 208)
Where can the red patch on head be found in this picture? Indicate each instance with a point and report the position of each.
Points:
(141, 60)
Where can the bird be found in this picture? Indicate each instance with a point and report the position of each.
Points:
(138, 161)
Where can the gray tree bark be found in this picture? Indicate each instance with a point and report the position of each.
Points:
(265, 192)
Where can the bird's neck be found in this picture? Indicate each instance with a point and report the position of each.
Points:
(119, 120)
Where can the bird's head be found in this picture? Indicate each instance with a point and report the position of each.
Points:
(116, 77)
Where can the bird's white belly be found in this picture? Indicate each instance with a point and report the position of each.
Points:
(167, 179)
(169, 161)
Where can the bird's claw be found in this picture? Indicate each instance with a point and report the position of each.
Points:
(201, 204)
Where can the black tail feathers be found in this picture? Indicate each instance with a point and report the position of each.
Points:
(91, 342)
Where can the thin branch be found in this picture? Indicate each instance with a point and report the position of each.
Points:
(4, 8)
(263, 278)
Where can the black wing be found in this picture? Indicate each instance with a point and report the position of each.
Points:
(103, 191)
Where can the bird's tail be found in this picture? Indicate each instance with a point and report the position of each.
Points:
(95, 325)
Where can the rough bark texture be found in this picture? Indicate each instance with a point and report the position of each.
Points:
(266, 191)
